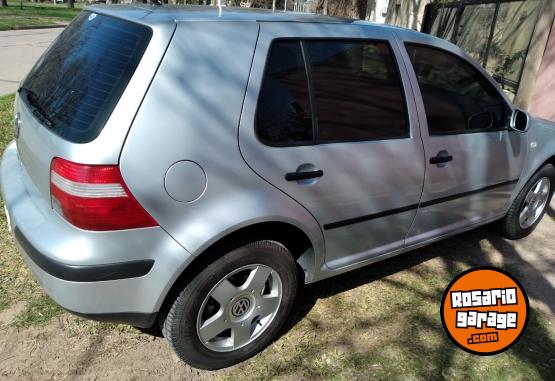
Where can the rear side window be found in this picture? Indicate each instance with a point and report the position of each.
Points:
(77, 83)
(283, 116)
(457, 97)
(357, 91)
(353, 92)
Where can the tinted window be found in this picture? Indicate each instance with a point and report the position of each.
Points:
(79, 80)
(357, 91)
(457, 97)
(283, 115)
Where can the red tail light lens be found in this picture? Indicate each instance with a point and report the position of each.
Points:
(95, 197)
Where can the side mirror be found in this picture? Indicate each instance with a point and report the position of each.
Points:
(520, 121)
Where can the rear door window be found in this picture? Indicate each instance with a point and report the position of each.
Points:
(75, 86)
(357, 91)
(324, 91)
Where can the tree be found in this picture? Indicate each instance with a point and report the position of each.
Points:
(343, 8)
(70, 3)
(4, 3)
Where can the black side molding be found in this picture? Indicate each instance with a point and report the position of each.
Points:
(466, 194)
(407, 208)
(368, 217)
(77, 273)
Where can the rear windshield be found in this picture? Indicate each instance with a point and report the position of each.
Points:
(76, 84)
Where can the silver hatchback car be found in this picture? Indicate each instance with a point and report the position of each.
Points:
(191, 167)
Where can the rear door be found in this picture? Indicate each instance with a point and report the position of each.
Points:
(327, 120)
(473, 160)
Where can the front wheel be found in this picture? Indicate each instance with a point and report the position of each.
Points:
(530, 205)
(233, 308)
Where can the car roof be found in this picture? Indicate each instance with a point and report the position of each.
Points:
(163, 14)
(176, 13)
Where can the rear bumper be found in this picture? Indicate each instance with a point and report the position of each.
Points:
(83, 273)
(119, 276)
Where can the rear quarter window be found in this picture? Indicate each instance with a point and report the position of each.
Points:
(79, 80)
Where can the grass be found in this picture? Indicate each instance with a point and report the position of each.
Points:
(390, 329)
(16, 282)
(36, 14)
(380, 322)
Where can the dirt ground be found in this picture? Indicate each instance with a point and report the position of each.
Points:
(69, 348)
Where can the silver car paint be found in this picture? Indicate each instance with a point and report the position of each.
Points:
(192, 111)
(353, 184)
(54, 237)
(481, 160)
(200, 120)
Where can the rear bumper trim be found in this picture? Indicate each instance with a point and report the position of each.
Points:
(141, 320)
(84, 273)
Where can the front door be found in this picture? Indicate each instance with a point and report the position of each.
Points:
(327, 121)
(473, 160)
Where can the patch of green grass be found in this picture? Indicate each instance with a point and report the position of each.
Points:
(390, 329)
(6, 119)
(16, 281)
(11, 265)
(38, 311)
(32, 14)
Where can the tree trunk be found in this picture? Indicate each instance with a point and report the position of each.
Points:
(371, 10)
(4, 3)
(70, 3)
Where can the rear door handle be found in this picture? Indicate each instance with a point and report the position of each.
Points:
(441, 158)
(304, 175)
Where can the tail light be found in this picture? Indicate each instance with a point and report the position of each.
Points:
(95, 197)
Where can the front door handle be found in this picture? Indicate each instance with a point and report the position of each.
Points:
(304, 175)
(441, 159)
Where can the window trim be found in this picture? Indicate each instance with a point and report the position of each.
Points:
(311, 99)
(477, 69)
(313, 108)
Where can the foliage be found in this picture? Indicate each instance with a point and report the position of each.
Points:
(27, 14)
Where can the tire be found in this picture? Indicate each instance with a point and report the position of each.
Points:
(510, 226)
(232, 306)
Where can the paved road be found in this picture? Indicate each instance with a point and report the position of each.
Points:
(19, 50)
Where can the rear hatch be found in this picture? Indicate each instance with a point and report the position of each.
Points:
(80, 98)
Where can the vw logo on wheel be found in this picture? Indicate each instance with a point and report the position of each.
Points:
(240, 307)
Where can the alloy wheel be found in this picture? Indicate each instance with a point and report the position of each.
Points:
(534, 203)
(239, 308)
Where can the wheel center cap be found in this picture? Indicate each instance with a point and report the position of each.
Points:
(240, 307)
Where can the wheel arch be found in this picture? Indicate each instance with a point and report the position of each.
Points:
(536, 168)
(292, 237)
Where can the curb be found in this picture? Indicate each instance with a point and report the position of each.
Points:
(38, 27)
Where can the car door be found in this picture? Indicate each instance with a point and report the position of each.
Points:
(473, 160)
(328, 121)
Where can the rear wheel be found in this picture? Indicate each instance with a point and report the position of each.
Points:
(233, 308)
(530, 205)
